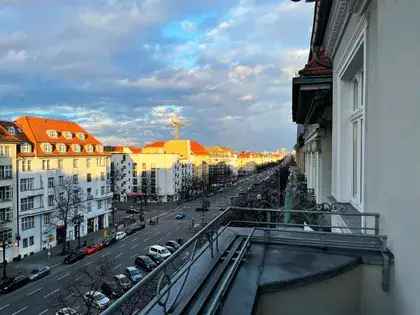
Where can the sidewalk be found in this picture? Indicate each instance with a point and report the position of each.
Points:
(27, 264)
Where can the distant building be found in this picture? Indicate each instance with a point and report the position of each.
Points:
(222, 165)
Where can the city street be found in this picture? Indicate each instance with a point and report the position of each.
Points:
(43, 296)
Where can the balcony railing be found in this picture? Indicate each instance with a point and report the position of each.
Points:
(163, 286)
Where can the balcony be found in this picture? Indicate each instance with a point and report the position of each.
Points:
(248, 260)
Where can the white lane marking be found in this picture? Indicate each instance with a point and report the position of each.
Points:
(4, 306)
(146, 239)
(34, 291)
(78, 278)
(55, 265)
(51, 293)
(118, 255)
(116, 267)
(88, 263)
(134, 246)
(43, 312)
(123, 245)
(106, 254)
(20, 311)
(63, 276)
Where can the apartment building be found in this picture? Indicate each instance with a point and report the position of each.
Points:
(356, 102)
(55, 154)
(159, 176)
(8, 232)
(222, 165)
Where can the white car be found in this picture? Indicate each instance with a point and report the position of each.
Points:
(120, 235)
(98, 299)
(159, 251)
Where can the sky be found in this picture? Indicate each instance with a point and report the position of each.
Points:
(121, 68)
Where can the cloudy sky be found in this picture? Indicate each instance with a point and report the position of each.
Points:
(121, 67)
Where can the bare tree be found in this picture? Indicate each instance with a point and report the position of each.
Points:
(70, 207)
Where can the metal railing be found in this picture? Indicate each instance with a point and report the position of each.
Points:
(163, 287)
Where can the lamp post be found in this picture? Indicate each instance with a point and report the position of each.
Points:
(4, 245)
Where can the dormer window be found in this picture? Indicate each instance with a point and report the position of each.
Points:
(26, 147)
(99, 148)
(47, 147)
(81, 136)
(77, 148)
(61, 147)
(89, 148)
(11, 130)
(52, 133)
(67, 135)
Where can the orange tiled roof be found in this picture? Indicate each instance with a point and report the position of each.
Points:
(156, 144)
(35, 129)
(197, 148)
(5, 135)
(135, 150)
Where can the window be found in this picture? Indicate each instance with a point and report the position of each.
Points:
(60, 164)
(75, 163)
(5, 215)
(47, 147)
(99, 204)
(89, 148)
(75, 179)
(81, 136)
(77, 148)
(50, 200)
(26, 147)
(52, 133)
(102, 175)
(6, 235)
(50, 182)
(99, 148)
(26, 184)
(5, 171)
(28, 223)
(89, 206)
(31, 240)
(88, 177)
(11, 130)
(67, 134)
(26, 165)
(25, 243)
(27, 203)
(47, 218)
(45, 164)
(62, 148)
(61, 180)
(102, 190)
(4, 150)
(88, 162)
(89, 193)
(5, 193)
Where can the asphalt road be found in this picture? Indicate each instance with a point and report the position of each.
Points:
(44, 296)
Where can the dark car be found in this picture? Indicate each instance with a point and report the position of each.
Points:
(14, 283)
(171, 249)
(39, 273)
(134, 228)
(156, 259)
(123, 281)
(173, 244)
(133, 274)
(73, 257)
(180, 216)
(132, 211)
(111, 239)
(145, 262)
(199, 209)
(111, 289)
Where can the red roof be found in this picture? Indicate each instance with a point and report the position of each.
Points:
(156, 144)
(5, 135)
(318, 65)
(136, 150)
(197, 148)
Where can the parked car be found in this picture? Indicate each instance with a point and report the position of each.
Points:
(73, 257)
(132, 211)
(222, 209)
(111, 239)
(159, 251)
(67, 311)
(156, 259)
(173, 244)
(97, 299)
(180, 216)
(120, 235)
(134, 228)
(39, 273)
(145, 262)
(133, 274)
(99, 246)
(170, 248)
(14, 283)
(111, 289)
(89, 250)
(123, 281)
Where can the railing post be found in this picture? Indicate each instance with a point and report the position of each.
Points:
(377, 224)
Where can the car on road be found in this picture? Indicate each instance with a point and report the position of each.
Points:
(73, 257)
(12, 284)
(67, 311)
(97, 299)
(120, 235)
(159, 251)
(170, 248)
(123, 281)
(180, 216)
(39, 273)
(145, 262)
(111, 289)
(200, 209)
(89, 250)
(132, 211)
(134, 228)
(133, 274)
(172, 243)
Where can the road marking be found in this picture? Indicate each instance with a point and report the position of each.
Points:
(43, 312)
(106, 254)
(116, 267)
(123, 245)
(78, 278)
(20, 311)
(146, 239)
(51, 293)
(55, 265)
(63, 276)
(4, 306)
(34, 291)
(118, 255)
(134, 246)
(88, 263)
